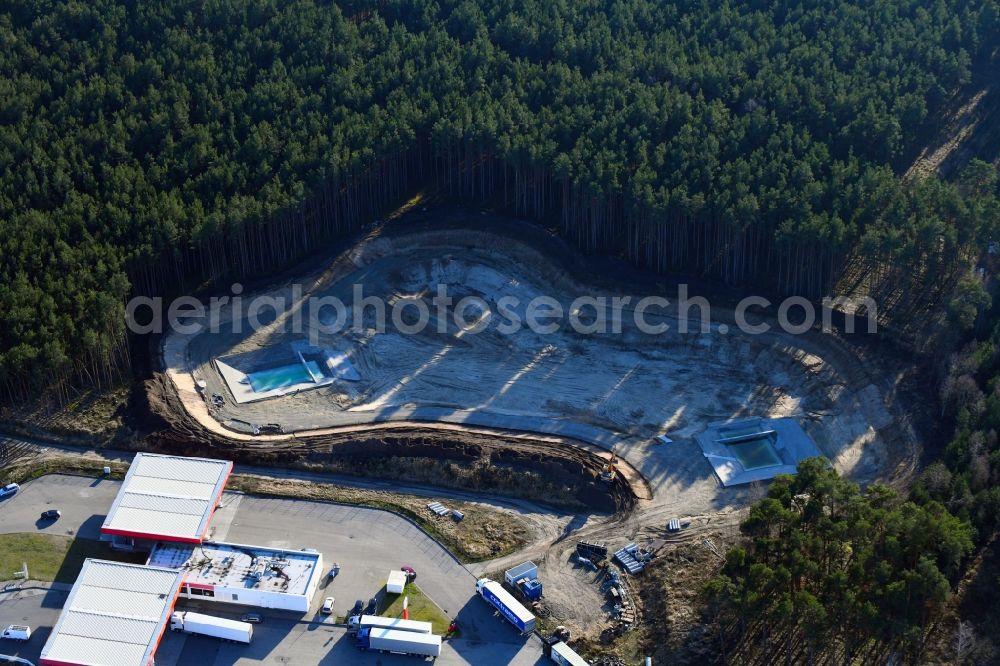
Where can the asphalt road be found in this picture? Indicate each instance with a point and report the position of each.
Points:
(366, 542)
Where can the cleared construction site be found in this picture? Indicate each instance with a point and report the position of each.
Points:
(658, 404)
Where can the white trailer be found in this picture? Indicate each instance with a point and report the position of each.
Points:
(399, 642)
(397, 623)
(207, 625)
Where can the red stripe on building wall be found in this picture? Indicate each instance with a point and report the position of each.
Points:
(163, 627)
(151, 537)
(218, 499)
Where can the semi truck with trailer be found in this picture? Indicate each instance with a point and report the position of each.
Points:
(506, 604)
(398, 642)
(207, 625)
(396, 623)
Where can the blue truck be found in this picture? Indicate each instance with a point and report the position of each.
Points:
(509, 607)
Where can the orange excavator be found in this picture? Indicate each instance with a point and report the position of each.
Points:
(609, 469)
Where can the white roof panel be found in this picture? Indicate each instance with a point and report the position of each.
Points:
(156, 523)
(114, 615)
(167, 497)
(178, 468)
(94, 625)
(95, 652)
(173, 504)
(139, 579)
(148, 485)
(106, 600)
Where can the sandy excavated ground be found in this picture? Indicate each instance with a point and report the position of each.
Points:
(609, 389)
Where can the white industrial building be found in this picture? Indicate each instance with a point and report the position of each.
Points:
(115, 615)
(245, 575)
(166, 498)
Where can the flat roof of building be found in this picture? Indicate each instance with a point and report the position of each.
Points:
(114, 616)
(168, 498)
(755, 449)
(234, 566)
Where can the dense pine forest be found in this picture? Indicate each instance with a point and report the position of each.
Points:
(149, 147)
(835, 576)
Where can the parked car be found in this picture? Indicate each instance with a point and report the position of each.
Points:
(252, 618)
(359, 606)
(51, 514)
(17, 632)
(327, 606)
(411, 573)
(372, 607)
(9, 489)
(334, 570)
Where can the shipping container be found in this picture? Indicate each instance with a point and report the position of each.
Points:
(523, 570)
(564, 655)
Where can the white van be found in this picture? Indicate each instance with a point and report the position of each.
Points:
(17, 632)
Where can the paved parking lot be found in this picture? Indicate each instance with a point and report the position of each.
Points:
(287, 642)
(83, 502)
(36, 606)
(367, 543)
